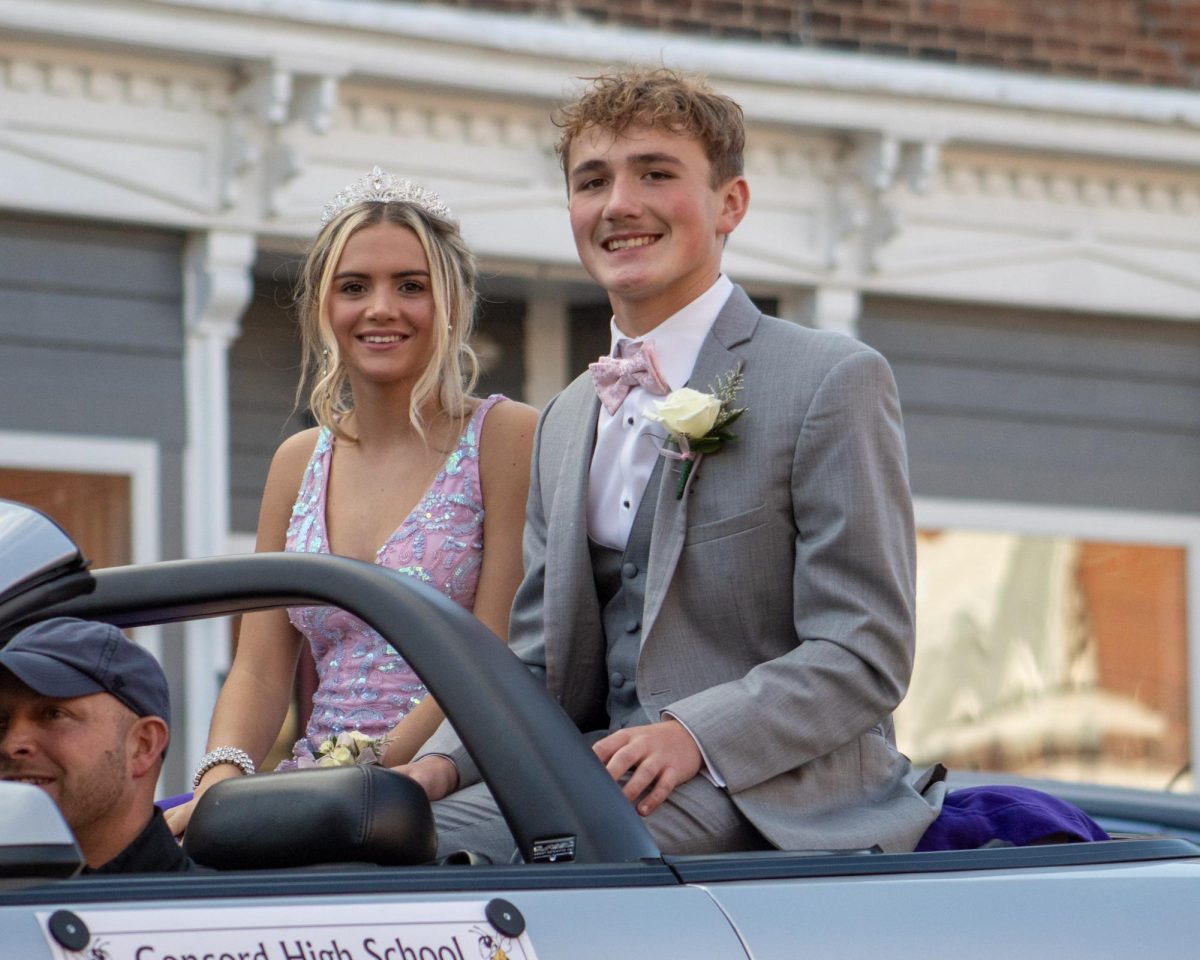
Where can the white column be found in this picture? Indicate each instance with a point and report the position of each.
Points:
(828, 307)
(547, 347)
(218, 284)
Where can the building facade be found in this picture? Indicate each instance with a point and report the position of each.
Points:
(1013, 223)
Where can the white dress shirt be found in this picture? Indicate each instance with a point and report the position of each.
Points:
(627, 444)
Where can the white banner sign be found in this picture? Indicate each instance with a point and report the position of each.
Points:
(333, 931)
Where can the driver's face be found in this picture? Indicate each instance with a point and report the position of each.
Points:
(76, 749)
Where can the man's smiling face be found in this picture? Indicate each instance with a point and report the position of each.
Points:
(648, 223)
(74, 748)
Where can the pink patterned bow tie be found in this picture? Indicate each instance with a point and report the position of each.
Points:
(616, 376)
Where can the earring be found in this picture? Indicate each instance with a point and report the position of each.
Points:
(325, 362)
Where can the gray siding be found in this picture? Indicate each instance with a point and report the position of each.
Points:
(264, 367)
(91, 331)
(91, 342)
(1049, 408)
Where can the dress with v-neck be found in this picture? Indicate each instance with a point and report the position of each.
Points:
(363, 684)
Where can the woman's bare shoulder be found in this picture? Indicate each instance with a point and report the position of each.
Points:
(292, 456)
(511, 419)
(506, 444)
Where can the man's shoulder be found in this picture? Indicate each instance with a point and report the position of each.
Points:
(746, 329)
(153, 850)
(807, 350)
(574, 400)
(831, 342)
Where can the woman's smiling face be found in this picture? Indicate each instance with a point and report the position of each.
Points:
(380, 306)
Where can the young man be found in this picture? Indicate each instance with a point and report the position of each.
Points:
(83, 716)
(733, 629)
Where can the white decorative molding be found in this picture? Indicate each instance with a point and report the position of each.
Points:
(864, 214)
(266, 93)
(1127, 187)
(127, 138)
(217, 287)
(187, 117)
(826, 308)
(316, 100)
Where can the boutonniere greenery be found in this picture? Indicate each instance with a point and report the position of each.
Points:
(698, 423)
(349, 748)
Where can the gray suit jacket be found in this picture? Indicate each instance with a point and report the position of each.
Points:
(778, 623)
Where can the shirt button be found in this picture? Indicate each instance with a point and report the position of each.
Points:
(625, 504)
(633, 626)
(630, 421)
(629, 571)
(616, 679)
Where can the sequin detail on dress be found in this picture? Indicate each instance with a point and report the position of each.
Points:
(362, 683)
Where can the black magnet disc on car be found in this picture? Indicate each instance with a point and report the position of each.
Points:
(505, 917)
(68, 930)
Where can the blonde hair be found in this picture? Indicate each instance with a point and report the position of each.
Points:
(453, 369)
(663, 98)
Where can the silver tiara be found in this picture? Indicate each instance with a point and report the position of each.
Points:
(384, 188)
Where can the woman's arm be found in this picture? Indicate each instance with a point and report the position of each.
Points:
(254, 698)
(504, 454)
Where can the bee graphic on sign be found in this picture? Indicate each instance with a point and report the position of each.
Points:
(491, 946)
(98, 951)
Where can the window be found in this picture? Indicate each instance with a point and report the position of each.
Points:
(1052, 654)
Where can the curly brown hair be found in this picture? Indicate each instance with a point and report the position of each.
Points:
(663, 98)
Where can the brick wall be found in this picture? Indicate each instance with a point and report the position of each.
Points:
(1154, 42)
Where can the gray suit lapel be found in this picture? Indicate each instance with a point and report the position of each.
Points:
(734, 325)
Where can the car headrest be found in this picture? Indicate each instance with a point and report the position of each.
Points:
(364, 814)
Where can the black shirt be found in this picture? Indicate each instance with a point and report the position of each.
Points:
(153, 850)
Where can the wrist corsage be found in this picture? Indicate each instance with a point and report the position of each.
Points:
(349, 748)
(698, 423)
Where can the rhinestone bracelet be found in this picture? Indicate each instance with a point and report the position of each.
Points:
(214, 758)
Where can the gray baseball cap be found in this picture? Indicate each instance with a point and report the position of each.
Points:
(64, 657)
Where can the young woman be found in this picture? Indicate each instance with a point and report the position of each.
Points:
(405, 468)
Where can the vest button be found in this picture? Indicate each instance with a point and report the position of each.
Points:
(616, 679)
(629, 571)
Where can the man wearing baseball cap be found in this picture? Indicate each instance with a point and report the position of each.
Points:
(83, 715)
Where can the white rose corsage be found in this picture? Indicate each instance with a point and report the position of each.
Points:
(698, 423)
(349, 748)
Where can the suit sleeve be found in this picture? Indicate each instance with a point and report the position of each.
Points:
(852, 587)
(525, 622)
(526, 633)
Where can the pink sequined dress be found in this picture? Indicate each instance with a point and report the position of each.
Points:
(362, 683)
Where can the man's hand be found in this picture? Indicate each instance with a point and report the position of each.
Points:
(437, 776)
(658, 758)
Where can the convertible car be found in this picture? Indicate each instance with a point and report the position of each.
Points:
(337, 864)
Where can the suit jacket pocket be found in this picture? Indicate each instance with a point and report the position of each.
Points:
(727, 526)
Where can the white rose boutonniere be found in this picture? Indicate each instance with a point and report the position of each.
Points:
(349, 748)
(687, 412)
(698, 423)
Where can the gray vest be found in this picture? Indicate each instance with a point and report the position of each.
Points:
(621, 587)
